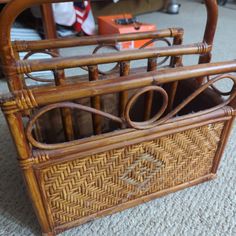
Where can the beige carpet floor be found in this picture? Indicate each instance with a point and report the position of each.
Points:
(205, 210)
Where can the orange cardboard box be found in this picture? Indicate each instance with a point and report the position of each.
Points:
(108, 25)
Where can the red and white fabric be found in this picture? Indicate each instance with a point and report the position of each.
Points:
(78, 14)
(84, 18)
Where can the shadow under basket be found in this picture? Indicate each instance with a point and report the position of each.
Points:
(106, 173)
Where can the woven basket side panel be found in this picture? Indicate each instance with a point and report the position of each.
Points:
(81, 187)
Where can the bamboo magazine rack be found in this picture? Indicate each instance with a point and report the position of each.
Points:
(93, 145)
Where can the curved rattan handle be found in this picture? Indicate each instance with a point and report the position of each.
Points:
(210, 29)
(15, 7)
(7, 17)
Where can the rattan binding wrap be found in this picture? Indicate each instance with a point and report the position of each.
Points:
(79, 188)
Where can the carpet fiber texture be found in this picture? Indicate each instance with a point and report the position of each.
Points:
(207, 209)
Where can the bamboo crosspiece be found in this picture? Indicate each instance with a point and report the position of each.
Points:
(66, 114)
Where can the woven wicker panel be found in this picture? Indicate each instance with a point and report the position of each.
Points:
(85, 186)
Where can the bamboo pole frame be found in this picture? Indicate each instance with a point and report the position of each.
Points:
(52, 94)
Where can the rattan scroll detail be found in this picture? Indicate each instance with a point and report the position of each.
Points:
(125, 121)
(158, 40)
(95, 51)
(116, 67)
(154, 122)
(27, 69)
(84, 186)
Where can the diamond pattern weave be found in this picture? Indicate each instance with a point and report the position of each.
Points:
(81, 187)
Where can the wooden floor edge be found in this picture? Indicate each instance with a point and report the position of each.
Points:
(134, 203)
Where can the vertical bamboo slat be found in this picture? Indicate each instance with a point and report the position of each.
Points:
(152, 65)
(124, 70)
(210, 29)
(95, 101)
(175, 62)
(66, 113)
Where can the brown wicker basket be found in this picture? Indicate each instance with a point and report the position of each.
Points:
(75, 181)
(91, 148)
